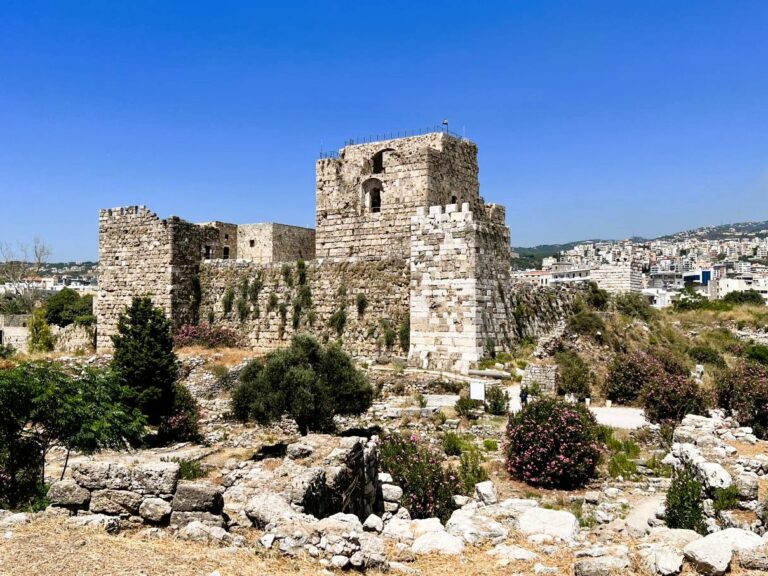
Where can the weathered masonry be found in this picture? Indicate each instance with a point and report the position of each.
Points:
(405, 253)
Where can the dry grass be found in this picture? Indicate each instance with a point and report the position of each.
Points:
(745, 449)
(48, 547)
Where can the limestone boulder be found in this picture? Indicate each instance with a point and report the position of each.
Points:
(438, 543)
(601, 566)
(373, 524)
(197, 497)
(505, 554)
(69, 494)
(299, 450)
(662, 559)
(555, 523)
(268, 508)
(181, 519)
(155, 478)
(476, 528)
(391, 493)
(715, 476)
(155, 510)
(115, 502)
(102, 475)
(486, 492)
(110, 524)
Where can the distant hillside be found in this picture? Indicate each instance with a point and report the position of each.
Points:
(531, 257)
(723, 232)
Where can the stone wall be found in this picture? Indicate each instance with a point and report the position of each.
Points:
(74, 338)
(14, 331)
(278, 309)
(264, 243)
(404, 174)
(545, 375)
(617, 278)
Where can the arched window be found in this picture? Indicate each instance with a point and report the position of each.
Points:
(378, 161)
(372, 189)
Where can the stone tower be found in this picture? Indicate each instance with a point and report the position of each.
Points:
(366, 196)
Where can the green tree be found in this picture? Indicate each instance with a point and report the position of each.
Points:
(684, 508)
(42, 405)
(40, 338)
(307, 381)
(144, 359)
(751, 297)
(575, 376)
(67, 307)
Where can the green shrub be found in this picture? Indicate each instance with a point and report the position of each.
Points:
(404, 333)
(453, 445)
(244, 287)
(575, 376)
(743, 393)
(190, 469)
(287, 273)
(6, 351)
(301, 272)
(464, 406)
(471, 471)
(428, 487)
(757, 352)
(553, 443)
(670, 398)
(587, 323)
(635, 306)
(144, 359)
(619, 464)
(726, 498)
(596, 298)
(703, 354)
(40, 337)
(388, 333)
(228, 301)
(308, 381)
(751, 297)
(338, 321)
(684, 505)
(182, 424)
(272, 302)
(628, 374)
(490, 445)
(254, 289)
(63, 307)
(243, 309)
(496, 401)
(361, 303)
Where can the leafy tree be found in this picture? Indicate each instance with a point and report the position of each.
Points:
(144, 358)
(41, 405)
(597, 298)
(67, 306)
(684, 505)
(307, 381)
(40, 338)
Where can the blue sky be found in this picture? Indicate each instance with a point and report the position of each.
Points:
(594, 119)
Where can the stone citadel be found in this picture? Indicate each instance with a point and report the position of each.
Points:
(404, 245)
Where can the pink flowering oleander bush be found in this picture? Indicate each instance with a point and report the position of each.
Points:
(205, 335)
(553, 443)
(668, 398)
(629, 373)
(743, 392)
(428, 486)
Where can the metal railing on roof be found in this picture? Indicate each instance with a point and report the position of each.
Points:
(391, 136)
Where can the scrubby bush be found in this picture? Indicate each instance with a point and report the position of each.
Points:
(743, 393)
(361, 303)
(575, 376)
(726, 498)
(471, 471)
(190, 469)
(684, 505)
(757, 352)
(428, 486)
(703, 354)
(669, 398)
(404, 333)
(453, 445)
(228, 301)
(307, 381)
(496, 401)
(388, 334)
(751, 297)
(553, 443)
(40, 337)
(586, 323)
(338, 321)
(634, 306)
(628, 374)
(6, 351)
(490, 445)
(205, 335)
(597, 298)
(465, 406)
(182, 424)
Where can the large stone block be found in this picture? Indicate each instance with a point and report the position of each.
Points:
(155, 478)
(68, 494)
(101, 475)
(197, 497)
(115, 502)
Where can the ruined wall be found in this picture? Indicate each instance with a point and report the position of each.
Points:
(404, 174)
(279, 308)
(74, 338)
(14, 331)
